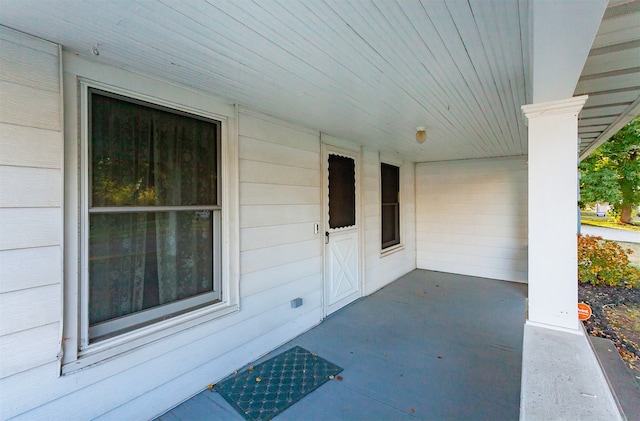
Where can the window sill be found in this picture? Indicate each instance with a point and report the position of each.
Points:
(109, 348)
(392, 250)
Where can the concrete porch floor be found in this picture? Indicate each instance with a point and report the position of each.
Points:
(429, 346)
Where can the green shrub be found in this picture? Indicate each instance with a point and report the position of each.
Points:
(604, 262)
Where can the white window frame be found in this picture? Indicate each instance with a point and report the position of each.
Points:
(400, 246)
(153, 314)
(78, 351)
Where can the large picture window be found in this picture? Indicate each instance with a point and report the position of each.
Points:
(390, 189)
(153, 212)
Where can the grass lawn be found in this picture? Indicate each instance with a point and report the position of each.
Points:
(590, 218)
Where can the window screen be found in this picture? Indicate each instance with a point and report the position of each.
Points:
(154, 213)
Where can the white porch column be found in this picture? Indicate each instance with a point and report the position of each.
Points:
(553, 195)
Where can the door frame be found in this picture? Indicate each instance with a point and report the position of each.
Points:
(330, 145)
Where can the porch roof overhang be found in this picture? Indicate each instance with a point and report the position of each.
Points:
(611, 76)
(372, 71)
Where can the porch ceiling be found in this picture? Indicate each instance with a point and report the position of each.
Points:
(611, 76)
(366, 71)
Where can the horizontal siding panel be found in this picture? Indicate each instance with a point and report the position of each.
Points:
(371, 183)
(371, 222)
(252, 283)
(453, 259)
(29, 268)
(270, 194)
(267, 215)
(256, 322)
(382, 270)
(371, 175)
(262, 172)
(114, 390)
(371, 197)
(29, 308)
(473, 214)
(471, 199)
(388, 269)
(479, 221)
(475, 240)
(507, 253)
(472, 166)
(497, 209)
(31, 107)
(497, 185)
(261, 237)
(471, 229)
(284, 293)
(29, 67)
(27, 349)
(496, 174)
(25, 228)
(372, 209)
(17, 389)
(30, 187)
(258, 150)
(463, 268)
(22, 146)
(187, 384)
(282, 134)
(255, 260)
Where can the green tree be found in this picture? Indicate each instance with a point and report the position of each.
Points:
(612, 173)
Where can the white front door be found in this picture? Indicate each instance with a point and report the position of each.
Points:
(342, 257)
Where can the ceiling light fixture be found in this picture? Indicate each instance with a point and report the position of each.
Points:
(421, 134)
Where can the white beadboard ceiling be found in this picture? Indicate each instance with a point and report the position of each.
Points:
(368, 71)
(611, 76)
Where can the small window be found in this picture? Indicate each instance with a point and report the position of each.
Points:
(152, 237)
(390, 189)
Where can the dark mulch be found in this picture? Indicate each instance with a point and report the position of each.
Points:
(599, 325)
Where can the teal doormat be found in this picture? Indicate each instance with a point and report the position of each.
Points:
(264, 391)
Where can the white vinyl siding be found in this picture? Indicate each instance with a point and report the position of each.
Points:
(279, 205)
(472, 217)
(382, 269)
(274, 254)
(31, 150)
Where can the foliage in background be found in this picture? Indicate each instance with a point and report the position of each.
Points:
(603, 262)
(612, 173)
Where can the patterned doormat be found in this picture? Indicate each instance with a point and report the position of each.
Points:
(264, 391)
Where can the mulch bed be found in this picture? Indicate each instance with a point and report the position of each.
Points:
(601, 297)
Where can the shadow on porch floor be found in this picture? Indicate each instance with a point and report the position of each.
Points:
(429, 346)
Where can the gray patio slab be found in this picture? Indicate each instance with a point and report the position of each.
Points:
(429, 346)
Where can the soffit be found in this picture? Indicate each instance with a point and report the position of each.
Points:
(611, 76)
(364, 71)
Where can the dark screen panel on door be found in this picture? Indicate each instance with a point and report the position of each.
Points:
(342, 191)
